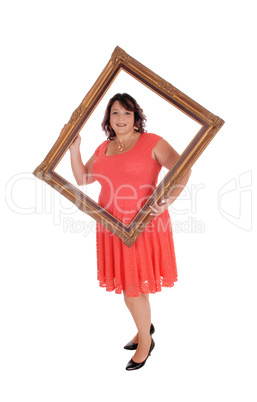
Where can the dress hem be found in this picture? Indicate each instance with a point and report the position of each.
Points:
(120, 290)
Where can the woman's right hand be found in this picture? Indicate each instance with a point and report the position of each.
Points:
(76, 144)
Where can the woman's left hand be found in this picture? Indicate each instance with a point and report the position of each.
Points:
(159, 209)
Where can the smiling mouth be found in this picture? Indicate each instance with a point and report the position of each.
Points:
(121, 125)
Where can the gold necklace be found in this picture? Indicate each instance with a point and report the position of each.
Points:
(123, 145)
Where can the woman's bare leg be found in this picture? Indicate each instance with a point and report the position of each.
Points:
(135, 339)
(140, 310)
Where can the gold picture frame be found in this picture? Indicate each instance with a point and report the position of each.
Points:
(210, 125)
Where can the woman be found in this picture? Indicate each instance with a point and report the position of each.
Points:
(127, 165)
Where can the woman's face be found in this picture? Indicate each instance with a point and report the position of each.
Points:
(121, 119)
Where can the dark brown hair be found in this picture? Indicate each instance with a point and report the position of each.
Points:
(128, 103)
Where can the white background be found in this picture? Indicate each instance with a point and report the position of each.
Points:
(61, 335)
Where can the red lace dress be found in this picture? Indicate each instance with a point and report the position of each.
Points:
(127, 180)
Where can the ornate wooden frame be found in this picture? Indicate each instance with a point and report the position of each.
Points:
(120, 60)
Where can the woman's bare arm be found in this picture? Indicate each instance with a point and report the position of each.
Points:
(82, 173)
(166, 156)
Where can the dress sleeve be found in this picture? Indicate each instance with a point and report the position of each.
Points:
(150, 142)
(154, 138)
(101, 149)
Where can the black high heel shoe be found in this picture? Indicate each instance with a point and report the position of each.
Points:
(133, 346)
(135, 366)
